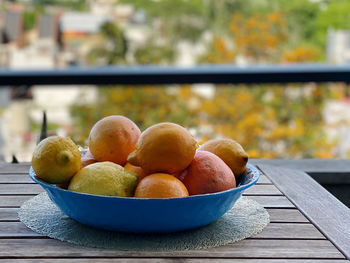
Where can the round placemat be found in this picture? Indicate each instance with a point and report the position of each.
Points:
(245, 219)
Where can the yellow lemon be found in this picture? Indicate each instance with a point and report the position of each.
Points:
(56, 159)
(230, 151)
(104, 178)
(164, 147)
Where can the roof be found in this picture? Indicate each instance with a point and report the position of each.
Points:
(82, 22)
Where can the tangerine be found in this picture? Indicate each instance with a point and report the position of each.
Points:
(160, 185)
(113, 138)
(136, 170)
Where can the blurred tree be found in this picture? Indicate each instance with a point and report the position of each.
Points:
(300, 54)
(269, 121)
(152, 53)
(334, 14)
(175, 20)
(29, 19)
(259, 37)
(113, 47)
(218, 52)
(70, 4)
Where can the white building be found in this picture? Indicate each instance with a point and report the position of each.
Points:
(338, 46)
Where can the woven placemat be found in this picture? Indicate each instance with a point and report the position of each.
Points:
(245, 219)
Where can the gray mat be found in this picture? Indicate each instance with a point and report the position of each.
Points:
(245, 219)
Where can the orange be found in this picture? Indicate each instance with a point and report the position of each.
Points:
(164, 147)
(208, 174)
(136, 170)
(160, 185)
(230, 151)
(87, 159)
(113, 138)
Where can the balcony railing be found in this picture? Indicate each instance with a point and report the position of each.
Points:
(214, 74)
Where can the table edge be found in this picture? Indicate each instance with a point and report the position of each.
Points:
(314, 202)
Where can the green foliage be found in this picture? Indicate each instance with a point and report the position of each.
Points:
(173, 8)
(113, 47)
(300, 16)
(29, 19)
(181, 19)
(151, 53)
(79, 5)
(335, 15)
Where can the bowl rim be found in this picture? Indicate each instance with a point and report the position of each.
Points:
(240, 188)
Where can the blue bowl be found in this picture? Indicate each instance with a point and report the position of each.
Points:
(146, 215)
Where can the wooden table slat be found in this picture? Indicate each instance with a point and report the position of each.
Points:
(8, 214)
(15, 178)
(320, 207)
(13, 201)
(168, 260)
(273, 230)
(263, 179)
(280, 215)
(8, 189)
(263, 189)
(290, 231)
(273, 201)
(253, 248)
(19, 168)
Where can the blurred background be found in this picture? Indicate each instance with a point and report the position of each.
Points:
(270, 121)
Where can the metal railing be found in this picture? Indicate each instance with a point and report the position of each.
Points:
(214, 74)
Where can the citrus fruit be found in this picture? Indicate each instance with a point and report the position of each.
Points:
(87, 159)
(113, 138)
(104, 178)
(208, 174)
(164, 147)
(230, 151)
(160, 185)
(136, 170)
(56, 159)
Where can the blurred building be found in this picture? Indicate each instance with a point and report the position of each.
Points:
(337, 119)
(48, 28)
(13, 28)
(79, 32)
(338, 46)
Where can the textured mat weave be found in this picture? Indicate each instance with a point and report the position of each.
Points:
(245, 219)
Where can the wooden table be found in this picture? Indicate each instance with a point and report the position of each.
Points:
(307, 225)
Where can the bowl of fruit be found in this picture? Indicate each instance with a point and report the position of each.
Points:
(157, 181)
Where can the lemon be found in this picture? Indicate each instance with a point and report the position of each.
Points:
(104, 178)
(56, 159)
(230, 151)
(164, 147)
